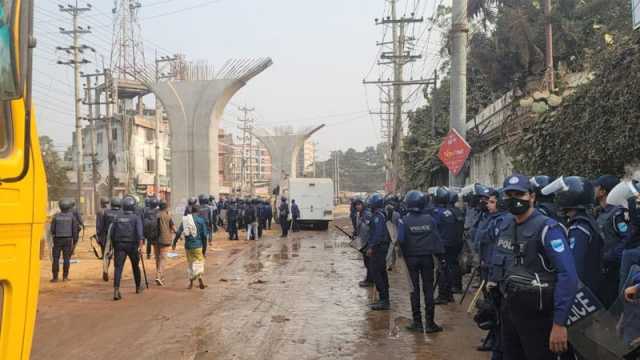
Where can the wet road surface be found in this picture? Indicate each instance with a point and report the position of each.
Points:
(293, 298)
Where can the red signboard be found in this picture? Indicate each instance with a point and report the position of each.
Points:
(454, 151)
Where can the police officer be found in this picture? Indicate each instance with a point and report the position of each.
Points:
(190, 202)
(108, 217)
(537, 275)
(263, 214)
(206, 212)
(353, 215)
(269, 213)
(64, 230)
(232, 220)
(420, 241)
(78, 217)
(615, 230)
(377, 248)
(459, 215)
(544, 203)
(576, 200)
(283, 216)
(363, 221)
(101, 231)
(128, 239)
(150, 222)
(446, 225)
(295, 216)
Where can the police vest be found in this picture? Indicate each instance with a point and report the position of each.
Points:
(124, 228)
(64, 225)
(205, 214)
(421, 237)
(592, 277)
(606, 223)
(108, 218)
(519, 249)
(448, 225)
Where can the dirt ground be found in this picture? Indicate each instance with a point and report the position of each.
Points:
(293, 298)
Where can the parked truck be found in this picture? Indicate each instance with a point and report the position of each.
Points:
(314, 197)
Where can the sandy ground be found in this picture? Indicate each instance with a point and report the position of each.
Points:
(293, 298)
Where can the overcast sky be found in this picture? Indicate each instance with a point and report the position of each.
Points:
(321, 51)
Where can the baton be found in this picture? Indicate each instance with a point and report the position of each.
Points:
(95, 252)
(466, 289)
(476, 297)
(144, 270)
(344, 232)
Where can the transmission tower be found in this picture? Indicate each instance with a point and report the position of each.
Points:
(127, 50)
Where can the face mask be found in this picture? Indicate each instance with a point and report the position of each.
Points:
(517, 206)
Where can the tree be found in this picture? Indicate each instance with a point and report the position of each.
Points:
(360, 171)
(57, 179)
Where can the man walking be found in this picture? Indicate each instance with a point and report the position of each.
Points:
(64, 229)
(166, 229)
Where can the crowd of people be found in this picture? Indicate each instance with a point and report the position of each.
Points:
(547, 254)
(124, 227)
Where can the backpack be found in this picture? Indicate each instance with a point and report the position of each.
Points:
(150, 224)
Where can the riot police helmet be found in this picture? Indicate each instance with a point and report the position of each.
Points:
(453, 197)
(129, 203)
(153, 202)
(441, 196)
(578, 193)
(192, 201)
(65, 205)
(104, 201)
(538, 183)
(415, 201)
(203, 199)
(116, 203)
(391, 199)
(376, 201)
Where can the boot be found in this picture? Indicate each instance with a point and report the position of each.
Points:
(365, 284)
(116, 294)
(190, 285)
(443, 300)
(381, 305)
(105, 277)
(54, 279)
(139, 289)
(65, 278)
(432, 327)
(416, 326)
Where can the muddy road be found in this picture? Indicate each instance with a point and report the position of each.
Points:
(293, 298)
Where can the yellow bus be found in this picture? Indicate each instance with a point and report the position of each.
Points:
(23, 192)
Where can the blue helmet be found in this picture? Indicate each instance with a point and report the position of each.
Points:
(441, 196)
(415, 201)
(376, 201)
(203, 199)
(129, 203)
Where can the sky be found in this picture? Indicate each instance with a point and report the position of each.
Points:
(321, 51)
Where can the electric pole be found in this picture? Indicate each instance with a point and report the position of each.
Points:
(75, 50)
(398, 57)
(159, 112)
(92, 143)
(110, 103)
(459, 36)
(246, 128)
(548, 29)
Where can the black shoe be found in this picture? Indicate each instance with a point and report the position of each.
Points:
(381, 306)
(415, 327)
(432, 327)
(54, 280)
(116, 294)
(484, 348)
(443, 301)
(456, 290)
(365, 284)
(139, 289)
(105, 276)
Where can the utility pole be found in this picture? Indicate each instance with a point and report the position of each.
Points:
(433, 104)
(75, 50)
(398, 57)
(92, 143)
(548, 30)
(458, 110)
(159, 113)
(246, 127)
(110, 103)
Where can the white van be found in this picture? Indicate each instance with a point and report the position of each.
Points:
(315, 200)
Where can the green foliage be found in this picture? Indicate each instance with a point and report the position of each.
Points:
(360, 171)
(56, 173)
(596, 131)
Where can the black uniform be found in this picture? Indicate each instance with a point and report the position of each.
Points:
(126, 236)
(420, 241)
(64, 229)
(232, 222)
(283, 218)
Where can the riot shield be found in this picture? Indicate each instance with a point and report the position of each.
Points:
(556, 186)
(600, 334)
(621, 193)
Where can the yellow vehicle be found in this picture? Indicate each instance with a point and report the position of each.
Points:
(23, 194)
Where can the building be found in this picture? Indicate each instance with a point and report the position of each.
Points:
(306, 160)
(257, 167)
